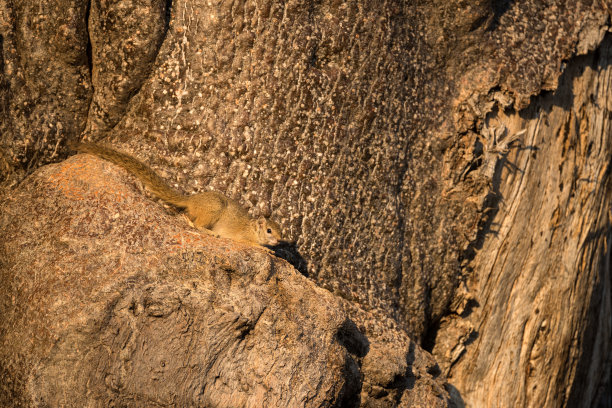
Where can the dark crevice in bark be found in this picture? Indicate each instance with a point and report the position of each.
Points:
(351, 391)
(352, 339)
(88, 49)
(168, 16)
(499, 8)
(429, 338)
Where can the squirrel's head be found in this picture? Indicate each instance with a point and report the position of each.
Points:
(268, 232)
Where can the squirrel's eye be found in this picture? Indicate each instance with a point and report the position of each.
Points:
(269, 231)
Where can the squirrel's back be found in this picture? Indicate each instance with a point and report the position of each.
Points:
(144, 173)
(208, 210)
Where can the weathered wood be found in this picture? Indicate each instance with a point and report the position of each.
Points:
(541, 273)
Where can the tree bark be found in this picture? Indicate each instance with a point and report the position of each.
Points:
(110, 300)
(378, 135)
(541, 266)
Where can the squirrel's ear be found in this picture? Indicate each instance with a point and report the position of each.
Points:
(262, 221)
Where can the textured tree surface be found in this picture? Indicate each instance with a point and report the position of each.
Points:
(376, 133)
(542, 266)
(116, 302)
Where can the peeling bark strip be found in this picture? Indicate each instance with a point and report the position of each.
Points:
(359, 125)
(542, 277)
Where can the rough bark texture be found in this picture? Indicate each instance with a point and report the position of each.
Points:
(541, 268)
(364, 127)
(115, 302)
(312, 112)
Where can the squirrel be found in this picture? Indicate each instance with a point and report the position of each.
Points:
(209, 210)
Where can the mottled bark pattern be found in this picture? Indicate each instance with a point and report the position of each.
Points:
(45, 81)
(360, 126)
(125, 38)
(314, 113)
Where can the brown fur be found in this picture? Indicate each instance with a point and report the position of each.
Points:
(210, 210)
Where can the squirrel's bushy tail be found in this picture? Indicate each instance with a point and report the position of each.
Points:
(144, 173)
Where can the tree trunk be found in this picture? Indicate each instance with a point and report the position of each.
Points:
(541, 266)
(379, 135)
